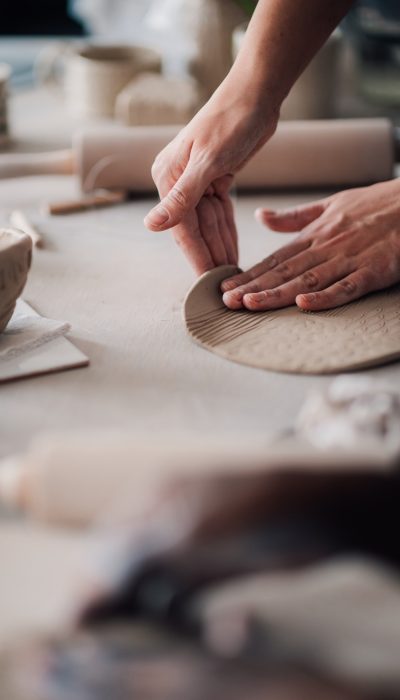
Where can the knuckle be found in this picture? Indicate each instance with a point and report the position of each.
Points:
(253, 273)
(251, 287)
(348, 286)
(276, 293)
(338, 221)
(270, 262)
(156, 167)
(178, 196)
(285, 271)
(310, 279)
(161, 177)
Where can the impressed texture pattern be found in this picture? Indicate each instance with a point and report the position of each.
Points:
(360, 334)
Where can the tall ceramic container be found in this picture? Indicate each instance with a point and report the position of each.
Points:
(213, 24)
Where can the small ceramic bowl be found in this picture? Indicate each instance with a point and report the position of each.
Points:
(15, 261)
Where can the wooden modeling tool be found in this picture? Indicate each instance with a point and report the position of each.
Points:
(101, 199)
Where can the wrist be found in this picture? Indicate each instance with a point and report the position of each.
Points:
(245, 92)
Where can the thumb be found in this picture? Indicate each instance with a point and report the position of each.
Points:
(181, 198)
(291, 220)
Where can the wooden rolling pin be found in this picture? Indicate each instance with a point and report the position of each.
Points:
(301, 154)
(77, 479)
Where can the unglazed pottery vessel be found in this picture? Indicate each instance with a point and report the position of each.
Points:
(15, 261)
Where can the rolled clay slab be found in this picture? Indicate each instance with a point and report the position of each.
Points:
(361, 334)
(15, 261)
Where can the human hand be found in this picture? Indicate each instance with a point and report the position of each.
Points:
(207, 235)
(198, 165)
(349, 245)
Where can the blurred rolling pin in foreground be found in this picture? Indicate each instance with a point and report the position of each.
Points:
(301, 154)
(77, 478)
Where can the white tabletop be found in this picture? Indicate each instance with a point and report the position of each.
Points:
(121, 288)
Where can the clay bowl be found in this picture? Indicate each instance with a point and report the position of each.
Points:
(15, 261)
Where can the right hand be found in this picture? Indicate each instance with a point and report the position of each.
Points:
(200, 162)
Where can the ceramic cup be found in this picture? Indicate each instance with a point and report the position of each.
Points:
(313, 94)
(92, 76)
(5, 72)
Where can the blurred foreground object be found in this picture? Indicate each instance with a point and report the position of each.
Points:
(353, 411)
(235, 586)
(223, 572)
(78, 479)
(129, 662)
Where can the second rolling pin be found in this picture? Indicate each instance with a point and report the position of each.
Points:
(301, 154)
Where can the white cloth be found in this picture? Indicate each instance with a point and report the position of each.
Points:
(26, 332)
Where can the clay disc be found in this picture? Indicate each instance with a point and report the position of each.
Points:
(361, 334)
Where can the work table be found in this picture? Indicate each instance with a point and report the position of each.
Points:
(122, 288)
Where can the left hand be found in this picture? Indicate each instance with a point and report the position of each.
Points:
(349, 245)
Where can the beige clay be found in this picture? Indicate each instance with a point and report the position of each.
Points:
(15, 260)
(361, 334)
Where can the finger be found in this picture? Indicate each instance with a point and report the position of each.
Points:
(291, 220)
(222, 186)
(317, 278)
(188, 237)
(227, 231)
(210, 230)
(229, 212)
(349, 288)
(179, 200)
(283, 273)
(266, 265)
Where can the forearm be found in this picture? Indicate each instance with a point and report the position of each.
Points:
(282, 38)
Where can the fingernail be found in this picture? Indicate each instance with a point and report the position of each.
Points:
(260, 212)
(228, 285)
(232, 296)
(305, 299)
(157, 217)
(255, 298)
